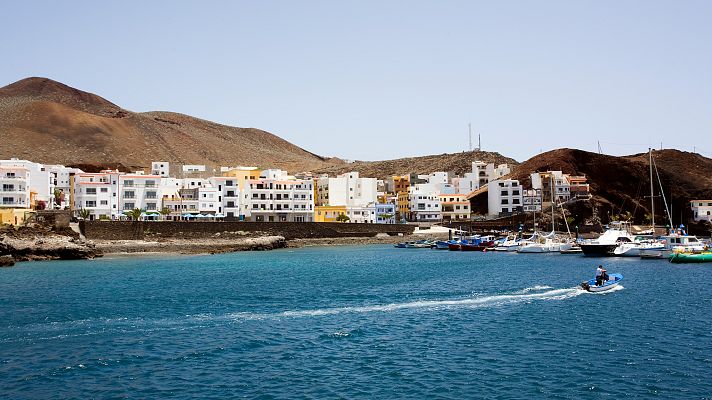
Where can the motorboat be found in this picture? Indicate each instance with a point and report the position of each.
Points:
(420, 244)
(442, 245)
(617, 233)
(478, 243)
(676, 242)
(571, 249)
(633, 249)
(613, 281)
(508, 244)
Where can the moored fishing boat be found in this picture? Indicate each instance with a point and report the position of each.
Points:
(613, 281)
(690, 257)
(442, 245)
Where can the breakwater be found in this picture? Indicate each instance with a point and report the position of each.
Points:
(142, 230)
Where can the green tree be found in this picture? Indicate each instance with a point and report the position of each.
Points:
(343, 218)
(134, 214)
(165, 211)
(84, 213)
(58, 197)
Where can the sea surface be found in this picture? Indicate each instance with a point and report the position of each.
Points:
(370, 322)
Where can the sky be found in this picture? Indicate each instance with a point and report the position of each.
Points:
(374, 80)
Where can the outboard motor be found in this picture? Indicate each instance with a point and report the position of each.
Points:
(585, 286)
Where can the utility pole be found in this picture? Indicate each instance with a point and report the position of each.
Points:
(599, 147)
(469, 129)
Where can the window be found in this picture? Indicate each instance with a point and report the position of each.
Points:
(504, 193)
(150, 206)
(104, 190)
(104, 202)
(90, 203)
(128, 183)
(151, 195)
(129, 194)
(8, 188)
(150, 183)
(129, 206)
(91, 191)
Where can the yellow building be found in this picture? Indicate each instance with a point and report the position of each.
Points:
(14, 216)
(243, 175)
(402, 206)
(455, 207)
(328, 213)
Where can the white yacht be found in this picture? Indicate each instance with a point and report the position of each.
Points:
(617, 233)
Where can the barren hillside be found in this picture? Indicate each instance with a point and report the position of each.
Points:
(47, 121)
(458, 163)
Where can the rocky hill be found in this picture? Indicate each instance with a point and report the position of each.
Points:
(459, 163)
(621, 184)
(47, 121)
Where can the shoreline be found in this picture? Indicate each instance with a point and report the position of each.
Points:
(42, 245)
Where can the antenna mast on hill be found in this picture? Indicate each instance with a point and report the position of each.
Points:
(599, 147)
(469, 129)
(479, 142)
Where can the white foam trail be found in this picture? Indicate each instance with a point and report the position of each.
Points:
(533, 289)
(556, 294)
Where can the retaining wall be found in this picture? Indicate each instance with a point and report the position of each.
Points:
(139, 230)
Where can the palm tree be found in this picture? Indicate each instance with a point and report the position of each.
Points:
(165, 211)
(84, 213)
(134, 214)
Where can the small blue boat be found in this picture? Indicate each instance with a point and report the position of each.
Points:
(442, 245)
(613, 281)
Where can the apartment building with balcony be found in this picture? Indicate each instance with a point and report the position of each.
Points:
(14, 188)
(455, 207)
(278, 197)
(504, 197)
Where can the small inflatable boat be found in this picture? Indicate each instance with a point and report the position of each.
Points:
(613, 281)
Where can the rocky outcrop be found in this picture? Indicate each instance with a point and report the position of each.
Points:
(27, 244)
(7, 261)
(192, 246)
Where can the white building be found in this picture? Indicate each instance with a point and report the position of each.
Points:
(14, 189)
(161, 168)
(98, 194)
(532, 200)
(561, 189)
(361, 215)
(347, 190)
(701, 210)
(37, 179)
(277, 197)
(424, 203)
(481, 174)
(504, 196)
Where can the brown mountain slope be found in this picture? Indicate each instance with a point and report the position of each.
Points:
(621, 184)
(458, 163)
(49, 122)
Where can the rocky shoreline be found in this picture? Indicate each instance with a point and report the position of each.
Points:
(32, 244)
(191, 246)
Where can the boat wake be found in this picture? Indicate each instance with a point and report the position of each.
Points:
(525, 295)
(98, 326)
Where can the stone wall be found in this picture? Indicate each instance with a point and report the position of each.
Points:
(57, 219)
(130, 230)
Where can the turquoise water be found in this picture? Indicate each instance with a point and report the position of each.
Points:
(354, 322)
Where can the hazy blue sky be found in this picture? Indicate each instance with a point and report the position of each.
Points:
(383, 79)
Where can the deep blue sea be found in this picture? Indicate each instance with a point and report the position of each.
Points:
(354, 322)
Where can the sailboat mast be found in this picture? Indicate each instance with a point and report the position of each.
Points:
(553, 229)
(652, 199)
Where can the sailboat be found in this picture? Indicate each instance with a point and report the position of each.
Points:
(546, 243)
